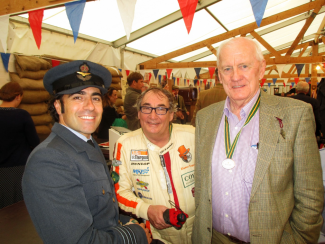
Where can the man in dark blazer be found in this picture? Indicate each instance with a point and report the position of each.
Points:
(179, 99)
(302, 90)
(67, 188)
(258, 176)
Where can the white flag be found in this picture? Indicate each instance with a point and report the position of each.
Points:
(280, 68)
(4, 24)
(127, 8)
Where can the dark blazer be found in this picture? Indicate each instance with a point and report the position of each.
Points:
(315, 104)
(130, 110)
(108, 117)
(287, 191)
(70, 196)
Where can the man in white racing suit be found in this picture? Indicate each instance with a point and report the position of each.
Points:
(157, 161)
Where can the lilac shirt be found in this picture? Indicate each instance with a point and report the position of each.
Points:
(231, 189)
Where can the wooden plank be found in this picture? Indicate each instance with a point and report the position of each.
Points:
(23, 6)
(239, 31)
(265, 44)
(285, 75)
(269, 61)
(321, 26)
(212, 49)
(306, 44)
(303, 30)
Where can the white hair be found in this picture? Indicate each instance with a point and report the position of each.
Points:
(258, 51)
(302, 86)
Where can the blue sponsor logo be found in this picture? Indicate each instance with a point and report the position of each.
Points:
(141, 171)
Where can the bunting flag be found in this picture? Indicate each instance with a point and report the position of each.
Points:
(269, 85)
(5, 60)
(159, 78)
(164, 77)
(274, 80)
(290, 87)
(299, 68)
(296, 80)
(127, 72)
(205, 82)
(188, 82)
(280, 67)
(195, 81)
(197, 71)
(4, 24)
(258, 7)
(183, 72)
(178, 81)
(319, 79)
(323, 65)
(188, 9)
(263, 81)
(55, 63)
(126, 8)
(169, 71)
(292, 84)
(74, 12)
(184, 82)
(211, 71)
(142, 72)
(120, 70)
(155, 72)
(201, 82)
(174, 78)
(35, 21)
(307, 79)
(284, 84)
(149, 76)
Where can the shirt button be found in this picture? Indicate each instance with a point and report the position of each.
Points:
(113, 199)
(227, 193)
(228, 234)
(226, 215)
(230, 171)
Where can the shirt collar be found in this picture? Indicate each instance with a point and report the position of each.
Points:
(245, 110)
(78, 134)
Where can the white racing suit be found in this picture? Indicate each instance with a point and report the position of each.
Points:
(137, 165)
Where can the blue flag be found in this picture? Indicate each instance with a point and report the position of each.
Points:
(197, 71)
(120, 70)
(155, 72)
(258, 7)
(5, 60)
(75, 11)
(299, 68)
(292, 84)
(159, 78)
(274, 80)
(269, 84)
(174, 79)
(307, 79)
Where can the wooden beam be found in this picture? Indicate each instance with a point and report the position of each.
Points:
(304, 29)
(265, 44)
(314, 70)
(286, 75)
(239, 31)
(269, 61)
(23, 6)
(306, 44)
(321, 26)
(212, 49)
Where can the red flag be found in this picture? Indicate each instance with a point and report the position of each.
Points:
(211, 71)
(290, 87)
(263, 81)
(296, 80)
(188, 82)
(150, 76)
(324, 65)
(188, 9)
(127, 72)
(164, 77)
(55, 62)
(35, 20)
(169, 71)
(205, 82)
(284, 84)
(178, 81)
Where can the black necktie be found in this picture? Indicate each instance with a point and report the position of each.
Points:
(90, 142)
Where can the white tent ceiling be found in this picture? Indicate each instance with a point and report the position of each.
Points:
(102, 20)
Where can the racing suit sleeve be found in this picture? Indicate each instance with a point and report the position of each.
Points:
(127, 200)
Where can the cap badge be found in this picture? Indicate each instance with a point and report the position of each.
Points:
(84, 75)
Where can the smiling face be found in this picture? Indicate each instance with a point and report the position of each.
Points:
(113, 97)
(240, 71)
(155, 127)
(82, 110)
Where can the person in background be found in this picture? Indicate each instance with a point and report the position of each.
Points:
(145, 87)
(67, 188)
(258, 176)
(302, 90)
(109, 114)
(135, 82)
(210, 96)
(181, 108)
(19, 137)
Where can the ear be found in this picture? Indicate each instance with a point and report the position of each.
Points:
(57, 106)
(219, 76)
(262, 69)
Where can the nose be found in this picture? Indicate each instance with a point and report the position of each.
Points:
(236, 74)
(89, 105)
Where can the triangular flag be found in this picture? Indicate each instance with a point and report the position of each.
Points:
(155, 72)
(195, 81)
(197, 71)
(188, 82)
(74, 12)
(269, 85)
(183, 72)
(184, 82)
(296, 80)
(55, 63)
(4, 24)
(263, 81)
(205, 82)
(178, 81)
(159, 78)
(292, 84)
(126, 8)
(35, 21)
(174, 78)
(188, 9)
(169, 71)
(142, 72)
(120, 70)
(307, 79)
(5, 60)
(211, 71)
(149, 76)
(299, 68)
(164, 77)
(201, 82)
(274, 80)
(280, 67)
(127, 72)
(319, 79)
(258, 7)
(284, 84)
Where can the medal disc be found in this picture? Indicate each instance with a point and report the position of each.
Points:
(228, 163)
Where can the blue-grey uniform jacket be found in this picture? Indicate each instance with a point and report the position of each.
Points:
(70, 195)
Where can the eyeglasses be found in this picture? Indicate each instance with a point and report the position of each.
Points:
(158, 110)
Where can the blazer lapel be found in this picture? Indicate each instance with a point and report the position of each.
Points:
(269, 132)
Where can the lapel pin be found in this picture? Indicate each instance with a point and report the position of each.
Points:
(281, 126)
